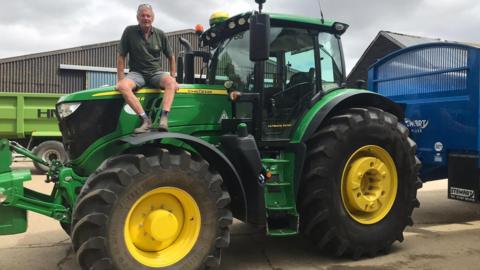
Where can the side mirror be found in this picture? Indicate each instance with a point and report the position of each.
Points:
(259, 37)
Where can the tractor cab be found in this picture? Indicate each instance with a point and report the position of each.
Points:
(304, 62)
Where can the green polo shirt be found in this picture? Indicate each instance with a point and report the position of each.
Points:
(144, 53)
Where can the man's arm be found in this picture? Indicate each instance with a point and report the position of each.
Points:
(173, 65)
(120, 67)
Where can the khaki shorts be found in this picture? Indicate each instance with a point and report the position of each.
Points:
(154, 81)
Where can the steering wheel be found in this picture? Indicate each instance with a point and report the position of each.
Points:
(287, 98)
(289, 91)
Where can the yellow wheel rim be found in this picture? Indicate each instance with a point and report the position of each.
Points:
(369, 184)
(162, 227)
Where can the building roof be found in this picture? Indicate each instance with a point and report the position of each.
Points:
(400, 40)
(404, 40)
(80, 48)
(473, 44)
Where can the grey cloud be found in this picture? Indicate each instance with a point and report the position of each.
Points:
(36, 13)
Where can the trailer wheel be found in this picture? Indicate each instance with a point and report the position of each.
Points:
(360, 183)
(48, 151)
(161, 211)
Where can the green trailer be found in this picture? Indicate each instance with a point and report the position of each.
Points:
(29, 119)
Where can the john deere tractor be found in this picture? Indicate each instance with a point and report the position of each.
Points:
(268, 135)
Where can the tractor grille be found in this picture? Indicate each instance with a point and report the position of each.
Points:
(91, 121)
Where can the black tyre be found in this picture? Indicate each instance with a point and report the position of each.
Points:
(48, 151)
(66, 227)
(360, 183)
(122, 206)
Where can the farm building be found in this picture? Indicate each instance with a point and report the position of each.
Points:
(384, 43)
(73, 69)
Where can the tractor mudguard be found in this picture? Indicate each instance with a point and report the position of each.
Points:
(210, 153)
(349, 100)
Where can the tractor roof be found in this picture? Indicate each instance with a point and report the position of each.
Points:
(301, 19)
(219, 30)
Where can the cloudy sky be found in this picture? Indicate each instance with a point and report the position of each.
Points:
(31, 26)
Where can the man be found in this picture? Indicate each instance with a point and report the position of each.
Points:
(145, 44)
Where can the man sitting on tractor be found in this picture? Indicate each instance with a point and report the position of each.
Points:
(145, 44)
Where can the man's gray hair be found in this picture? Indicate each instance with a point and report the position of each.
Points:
(144, 6)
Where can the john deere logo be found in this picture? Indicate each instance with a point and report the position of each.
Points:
(129, 109)
(223, 116)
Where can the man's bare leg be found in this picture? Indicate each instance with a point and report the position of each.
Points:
(170, 86)
(126, 87)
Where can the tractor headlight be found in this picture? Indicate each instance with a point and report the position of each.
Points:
(65, 109)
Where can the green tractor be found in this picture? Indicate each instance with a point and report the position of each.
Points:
(270, 136)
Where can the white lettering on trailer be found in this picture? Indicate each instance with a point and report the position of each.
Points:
(416, 125)
(462, 194)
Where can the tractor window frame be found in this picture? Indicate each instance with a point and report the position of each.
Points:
(336, 60)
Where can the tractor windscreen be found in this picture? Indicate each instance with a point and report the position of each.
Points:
(292, 58)
(231, 61)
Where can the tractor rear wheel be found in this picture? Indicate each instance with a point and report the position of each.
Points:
(360, 183)
(166, 210)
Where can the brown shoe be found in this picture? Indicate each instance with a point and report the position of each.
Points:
(145, 127)
(163, 125)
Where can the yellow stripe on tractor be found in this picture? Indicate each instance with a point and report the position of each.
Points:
(157, 91)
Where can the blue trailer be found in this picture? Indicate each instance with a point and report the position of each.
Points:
(438, 86)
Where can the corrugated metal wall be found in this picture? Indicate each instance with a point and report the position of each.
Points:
(41, 73)
(97, 79)
(382, 47)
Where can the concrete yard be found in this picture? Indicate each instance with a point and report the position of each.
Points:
(446, 235)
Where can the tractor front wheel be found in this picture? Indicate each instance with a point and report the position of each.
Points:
(360, 183)
(167, 210)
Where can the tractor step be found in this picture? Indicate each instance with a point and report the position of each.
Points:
(281, 208)
(282, 223)
(282, 232)
(282, 216)
(276, 184)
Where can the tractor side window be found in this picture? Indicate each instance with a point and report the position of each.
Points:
(331, 59)
(303, 63)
